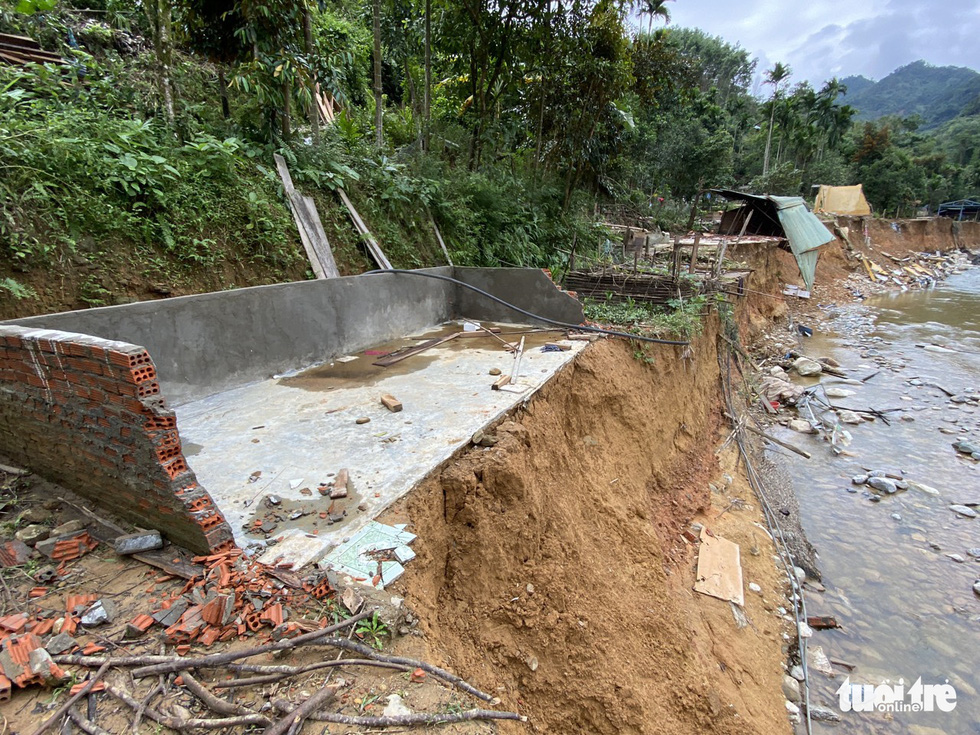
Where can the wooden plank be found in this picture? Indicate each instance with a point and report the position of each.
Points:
(500, 382)
(287, 179)
(21, 41)
(400, 355)
(164, 559)
(372, 245)
(320, 242)
(391, 403)
(719, 569)
(435, 227)
(295, 203)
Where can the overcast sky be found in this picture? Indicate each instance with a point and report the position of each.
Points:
(821, 39)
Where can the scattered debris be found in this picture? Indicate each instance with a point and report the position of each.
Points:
(391, 403)
(134, 543)
(719, 569)
(374, 554)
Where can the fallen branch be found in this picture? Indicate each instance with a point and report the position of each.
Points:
(144, 703)
(178, 723)
(218, 659)
(121, 661)
(296, 717)
(219, 705)
(413, 663)
(774, 440)
(84, 723)
(284, 672)
(60, 712)
(416, 718)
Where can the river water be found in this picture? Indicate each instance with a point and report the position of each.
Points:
(906, 608)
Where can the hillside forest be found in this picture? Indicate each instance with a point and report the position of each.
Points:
(144, 161)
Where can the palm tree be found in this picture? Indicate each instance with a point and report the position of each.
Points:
(775, 76)
(655, 9)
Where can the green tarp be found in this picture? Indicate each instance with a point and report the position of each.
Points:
(804, 232)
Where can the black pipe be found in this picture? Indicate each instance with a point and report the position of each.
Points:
(580, 327)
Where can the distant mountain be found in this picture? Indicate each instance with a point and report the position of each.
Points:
(856, 84)
(936, 93)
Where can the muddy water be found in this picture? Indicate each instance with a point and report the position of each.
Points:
(907, 610)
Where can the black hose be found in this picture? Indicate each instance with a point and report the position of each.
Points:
(519, 310)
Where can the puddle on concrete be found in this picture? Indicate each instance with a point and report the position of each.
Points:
(362, 371)
(907, 609)
(190, 448)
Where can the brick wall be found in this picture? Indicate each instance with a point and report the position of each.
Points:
(88, 414)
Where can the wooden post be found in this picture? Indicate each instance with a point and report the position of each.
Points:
(676, 269)
(694, 252)
(724, 245)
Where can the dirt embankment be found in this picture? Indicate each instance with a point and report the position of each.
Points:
(551, 566)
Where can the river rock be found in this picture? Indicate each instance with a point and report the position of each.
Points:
(839, 393)
(807, 367)
(963, 511)
(958, 558)
(859, 479)
(883, 484)
(923, 488)
(823, 714)
(974, 552)
(964, 447)
(849, 417)
(801, 425)
(797, 672)
(791, 688)
(828, 361)
(976, 587)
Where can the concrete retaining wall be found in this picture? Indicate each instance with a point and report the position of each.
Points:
(529, 288)
(207, 343)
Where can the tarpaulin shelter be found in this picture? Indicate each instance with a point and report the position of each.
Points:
(842, 200)
(786, 217)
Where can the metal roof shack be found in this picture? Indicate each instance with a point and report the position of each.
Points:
(786, 217)
(962, 209)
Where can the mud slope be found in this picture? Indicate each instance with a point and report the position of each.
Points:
(552, 570)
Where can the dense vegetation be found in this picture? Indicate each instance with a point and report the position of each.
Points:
(516, 126)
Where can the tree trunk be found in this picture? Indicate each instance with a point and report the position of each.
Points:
(378, 101)
(223, 91)
(413, 99)
(314, 113)
(772, 118)
(159, 15)
(427, 98)
(285, 124)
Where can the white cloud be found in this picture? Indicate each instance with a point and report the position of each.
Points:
(825, 38)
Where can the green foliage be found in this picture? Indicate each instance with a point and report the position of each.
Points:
(681, 318)
(76, 161)
(16, 290)
(373, 631)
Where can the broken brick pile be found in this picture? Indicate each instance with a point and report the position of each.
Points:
(88, 413)
(235, 597)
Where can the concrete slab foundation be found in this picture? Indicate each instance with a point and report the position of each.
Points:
(264, 450)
